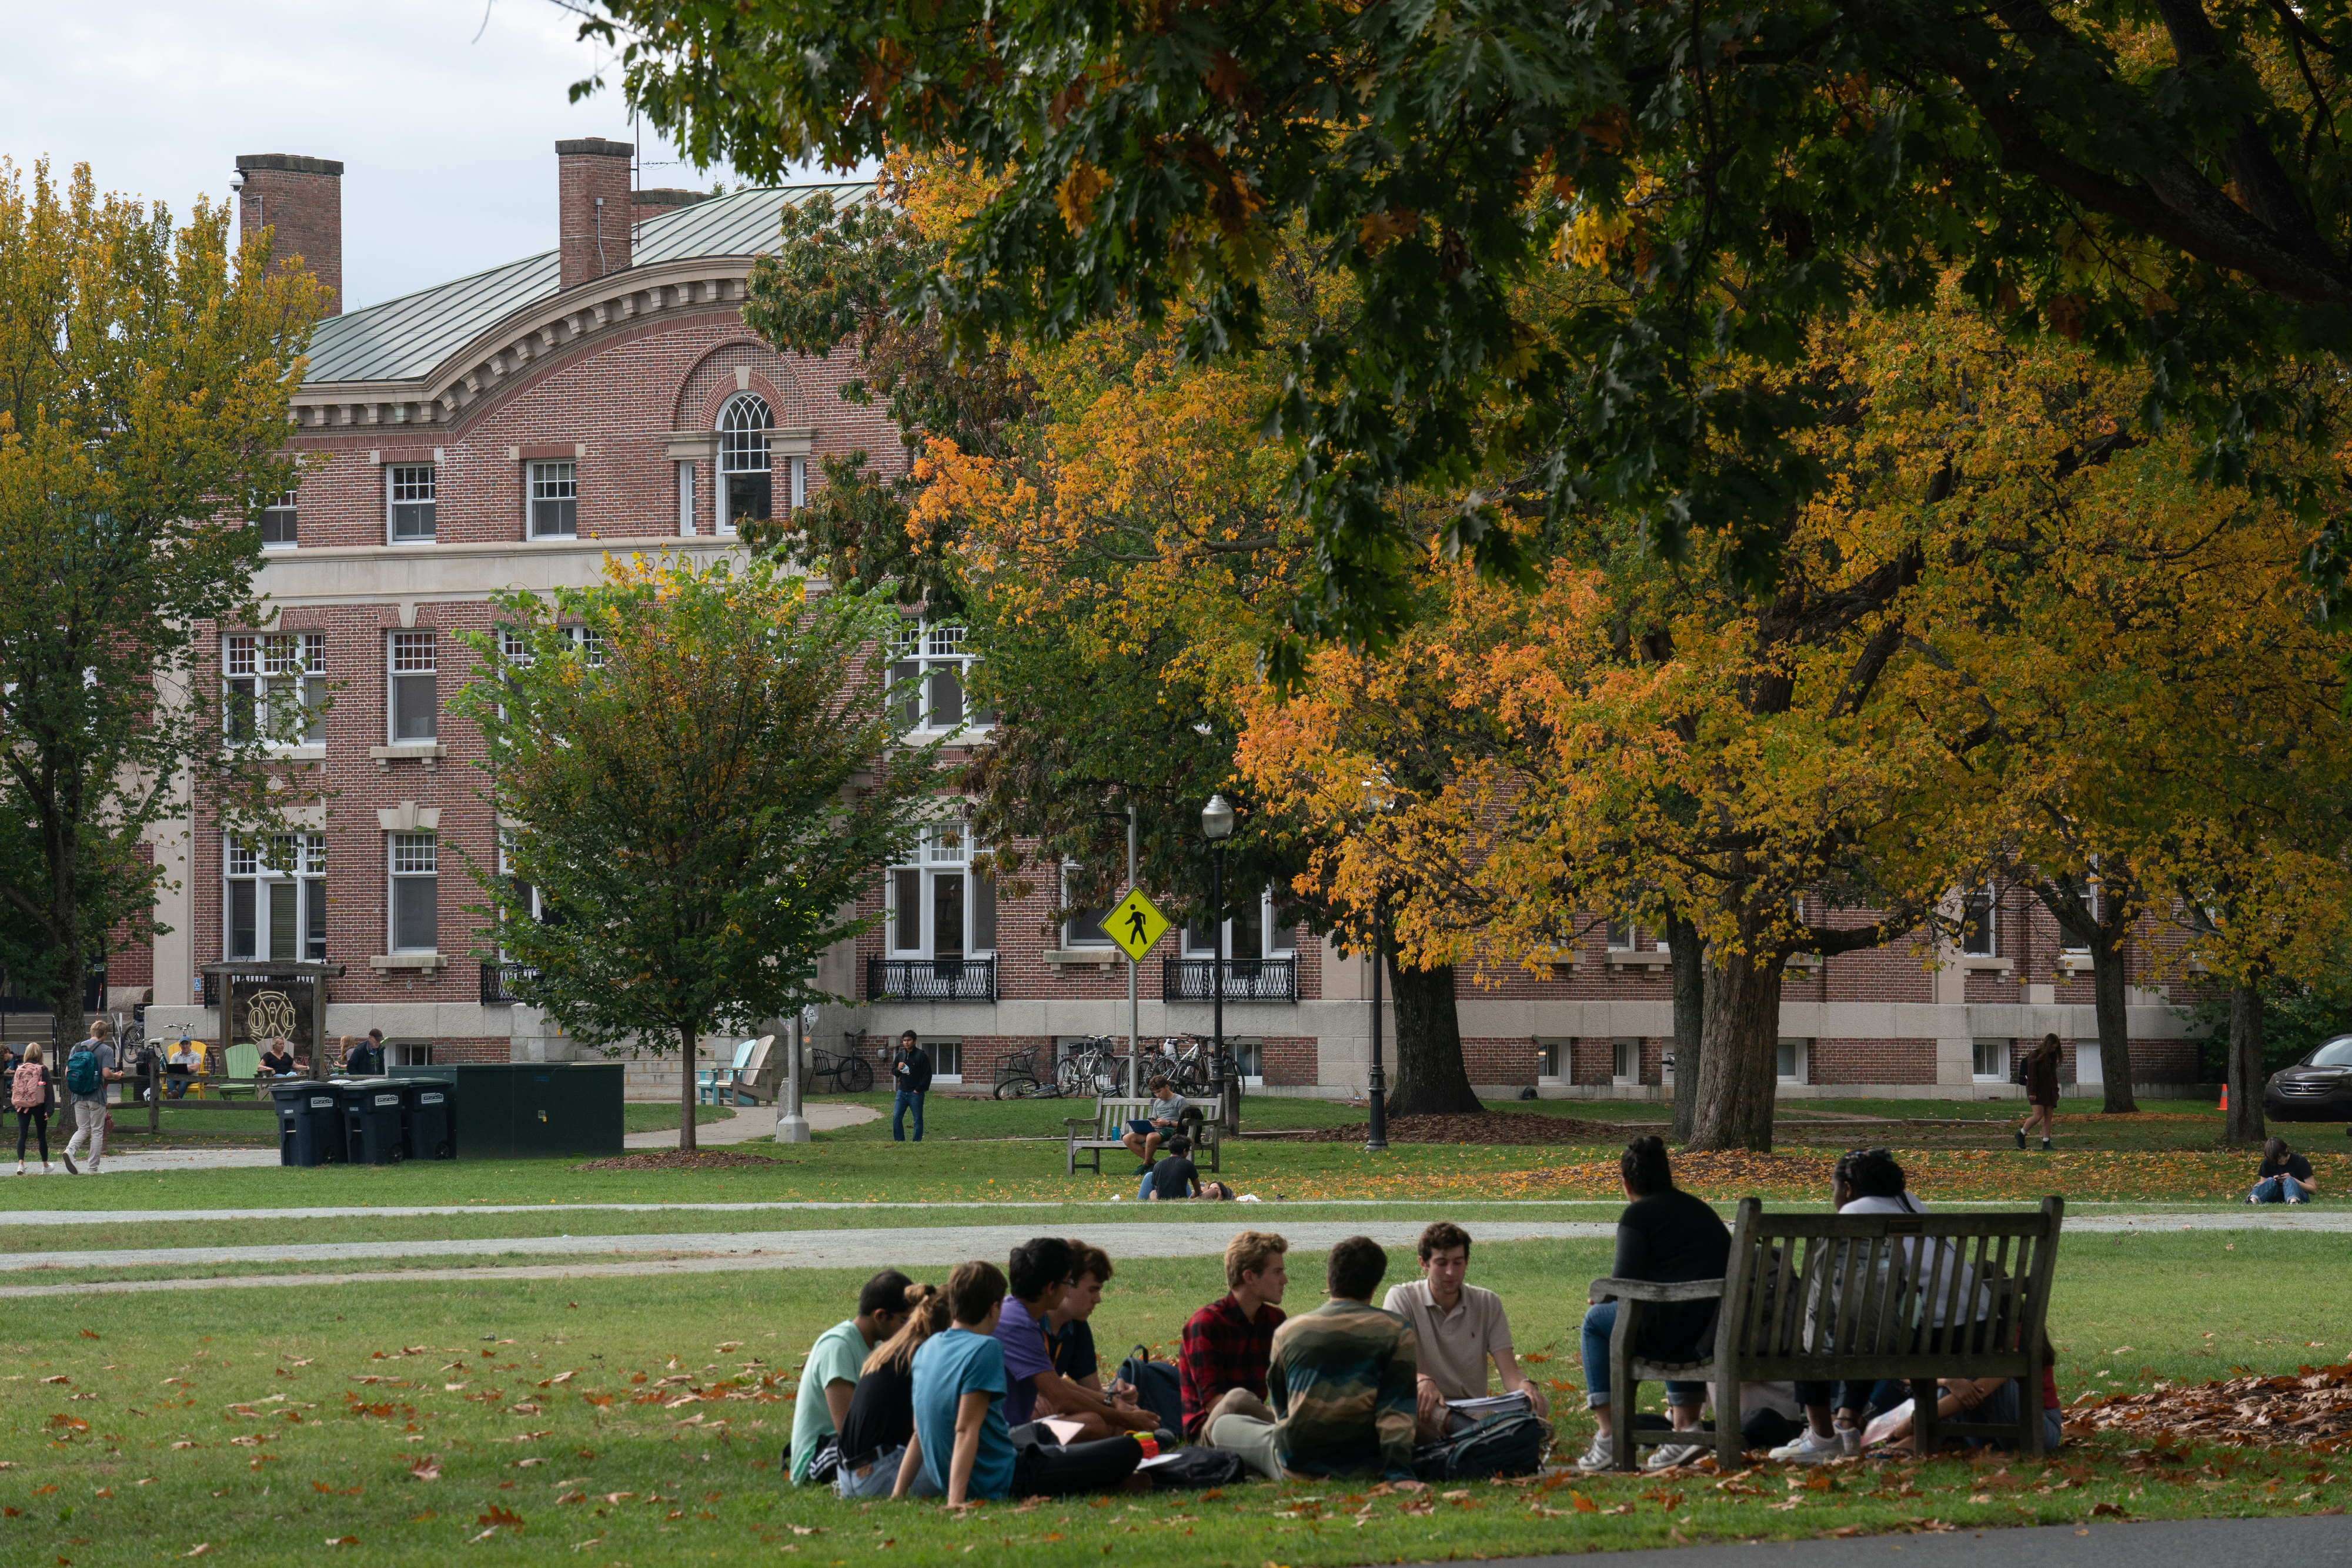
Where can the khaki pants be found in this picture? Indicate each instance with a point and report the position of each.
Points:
(89, 1127)
(1248, 1437)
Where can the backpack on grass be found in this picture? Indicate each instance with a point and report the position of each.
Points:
(81, 1072)
(1196, 1469)
(1156, 1388)
(1511, 1443)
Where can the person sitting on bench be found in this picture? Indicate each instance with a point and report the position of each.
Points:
(1458, 1328)
(1667, 1236)
(1144, 1135)
(961, 1441)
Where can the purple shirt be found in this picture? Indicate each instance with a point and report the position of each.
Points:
(1025, 1356)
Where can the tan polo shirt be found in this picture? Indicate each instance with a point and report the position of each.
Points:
(1454, 1345)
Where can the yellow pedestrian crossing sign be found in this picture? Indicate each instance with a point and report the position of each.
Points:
(1136, 925)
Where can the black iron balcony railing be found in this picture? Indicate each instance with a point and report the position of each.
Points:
(1246, 979)
(495, 979)
(932, 980)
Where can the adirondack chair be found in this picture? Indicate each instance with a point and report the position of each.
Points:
(755, 1083)
(243, 1060)
(708, 1079)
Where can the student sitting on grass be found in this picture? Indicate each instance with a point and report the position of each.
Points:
(1458, 1328)
(1041, 1282)
(1175, 1177)
(1070, 1344)
(829, 1377)
(1340, 1384)
(2283, 1176)
(1222, 1364)
(961, 1441)
(874, 1434)
(1144, 1135)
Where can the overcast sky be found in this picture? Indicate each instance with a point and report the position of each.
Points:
(448, 141)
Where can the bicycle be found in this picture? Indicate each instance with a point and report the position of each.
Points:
(1093, 1067)
(1016, 1079)
(1187, 1061)
(849, 1073)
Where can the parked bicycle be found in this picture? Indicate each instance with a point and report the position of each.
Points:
(1187, 1061)
(849, 1074)
(1092, 1067)
(1016, 1079)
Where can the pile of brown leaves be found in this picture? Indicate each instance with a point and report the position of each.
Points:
(2312, 1409)
(1484, 1127)
(679, 1160)
(1717, 1173)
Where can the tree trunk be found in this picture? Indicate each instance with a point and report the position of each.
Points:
(1431, 1080)
(1690, 1019)
(2107, 989)
(2244, 1075)
(1739, 1073)
(689, 1037)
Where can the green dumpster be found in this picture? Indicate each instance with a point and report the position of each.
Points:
(521, 1110)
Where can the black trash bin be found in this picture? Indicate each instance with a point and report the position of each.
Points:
(429, 1118)
(371, 1121)
(310, 1123)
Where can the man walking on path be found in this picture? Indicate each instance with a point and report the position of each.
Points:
(89, 1067)
(910, 1073)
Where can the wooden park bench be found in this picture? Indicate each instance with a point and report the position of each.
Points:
(1090, 1136)
(1822, 1297)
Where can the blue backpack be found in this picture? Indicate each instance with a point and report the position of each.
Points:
(1157, 1388)
(81, 1072)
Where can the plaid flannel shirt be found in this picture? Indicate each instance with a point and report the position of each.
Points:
(1222, 1349)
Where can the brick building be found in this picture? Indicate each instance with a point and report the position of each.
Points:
(510, 429)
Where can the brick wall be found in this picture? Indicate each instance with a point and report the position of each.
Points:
(1289, 1061)
(300, 200)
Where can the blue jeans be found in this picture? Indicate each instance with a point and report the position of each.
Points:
(898, 1116)
(1600, 1322)
(2278, 1189)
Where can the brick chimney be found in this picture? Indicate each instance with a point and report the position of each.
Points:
(301, 200)
(646, 205)
(593, 178)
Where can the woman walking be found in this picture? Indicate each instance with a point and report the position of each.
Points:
(2042, 1091)
(29, 1093)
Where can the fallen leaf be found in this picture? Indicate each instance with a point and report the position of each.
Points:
(343, 1541)
(427, 1468)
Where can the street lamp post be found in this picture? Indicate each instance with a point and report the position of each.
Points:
(1217, 826)
(1378, 1130)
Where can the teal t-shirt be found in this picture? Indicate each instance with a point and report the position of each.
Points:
(836, 1357)
(947, 1368)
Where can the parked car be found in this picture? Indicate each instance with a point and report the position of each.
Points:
(2316, 1088)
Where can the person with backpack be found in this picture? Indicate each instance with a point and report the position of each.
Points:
(1070, 1342)
(2039, 1074)
(89, 1068)
(30, 1095)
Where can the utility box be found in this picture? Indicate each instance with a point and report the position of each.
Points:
(523, 1110)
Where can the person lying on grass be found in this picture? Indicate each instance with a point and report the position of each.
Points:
(1339, 1385)
(961, 1440)
(1991, 1402)
(1041, 1269)
(1145, 1135)
(829, 1377)
(876, 1459)
(1458, 1328)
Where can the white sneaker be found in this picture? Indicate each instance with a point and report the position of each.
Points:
(1675, 1456)
(1811, 1448)
(1848, 1440)
(1597, 1458)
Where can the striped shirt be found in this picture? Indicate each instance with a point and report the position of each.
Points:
(1341, 1383)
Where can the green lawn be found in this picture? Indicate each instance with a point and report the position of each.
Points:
(244, 1124)
(268, 1430)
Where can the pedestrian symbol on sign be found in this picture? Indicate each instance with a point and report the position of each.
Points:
(1134, 924)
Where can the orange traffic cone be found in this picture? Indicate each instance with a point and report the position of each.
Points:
(2225, 1099)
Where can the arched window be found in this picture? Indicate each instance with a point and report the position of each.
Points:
(744, 475)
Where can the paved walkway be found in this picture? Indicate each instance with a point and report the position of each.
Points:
(2287, 1542)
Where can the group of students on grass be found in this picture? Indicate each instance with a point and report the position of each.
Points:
(991, 1388)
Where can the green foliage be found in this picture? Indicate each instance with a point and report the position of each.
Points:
(145, 372)
(1563, 218)
(2298, 1017)
(697, 800)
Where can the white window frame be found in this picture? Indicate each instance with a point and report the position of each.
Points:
(1987, 933)
(739, 444)
(1070, 938)
(1555, 1060)
(1997, 1051)
(258, 666)
(944, 852)
(286, 505)
(929, 650)
(1268, 947)
(1801, 1051)
(400, 649)
(1625, 1062)
(686, 499)
(2090, 894)
(399, 478)
(1621, 935)
(403, 853)
(939, 1050)
(300, 859)
(553, 482)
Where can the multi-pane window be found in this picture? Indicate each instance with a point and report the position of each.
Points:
(928, 681)
(940, 906)
(1622, 935)
(1990, 1062)
(1551, 1060)
(278, 519)
(555, 500)
(746, 479)
(1253, 930)
(1980, 924)
(526, 896)
(517, 649)
(1083, 928)
(261, 673)
(415, 704)
(275, 897)
(415, 892)
(408, 492)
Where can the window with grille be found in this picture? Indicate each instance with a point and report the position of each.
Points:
(263, 675)
(928, 682)
(275, 898)
(415, 894)
(1085, 926)
(414, 707)
(941, 906)
(555, 500)
(745, 474)
(409, 492)
(277, 518)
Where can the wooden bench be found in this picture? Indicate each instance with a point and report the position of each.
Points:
(1090, 1136)
(1823, 1297)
